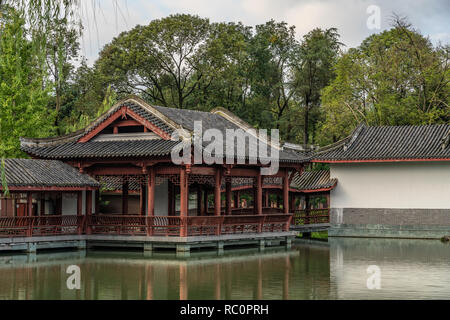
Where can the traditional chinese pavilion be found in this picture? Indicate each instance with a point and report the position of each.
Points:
(144, 193)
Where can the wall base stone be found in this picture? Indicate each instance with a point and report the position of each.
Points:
(389, 223)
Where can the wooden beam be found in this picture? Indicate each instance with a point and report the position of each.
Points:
(101, 126)
(286, 191)
(29, 204)
(266, 198)
(88, 203)
(115, 171)
(258, 200)
(184, 193)
(168, 170)
(149, 125)
(208, 171)
(127, 123)
(119, 113)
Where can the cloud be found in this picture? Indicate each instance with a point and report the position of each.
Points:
(349, 16)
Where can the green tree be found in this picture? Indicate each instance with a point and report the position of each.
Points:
(396, 77)
(317, 54)
(272, 51)
(61, 55)
(164, 61)
(24, 93)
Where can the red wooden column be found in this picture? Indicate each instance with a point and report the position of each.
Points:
(29, 204)
(142, 199)
(88, 202)
(150, 200)
(286, 192)
(228, 197)
(258, 199)
(80, 211)
(151, 192)
(125, 196)
(184, 198)
(217, 183)
(88, 206)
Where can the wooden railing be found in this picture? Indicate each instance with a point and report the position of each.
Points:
(142, 225)
(301, 217)
(41, 226)
(187, 226)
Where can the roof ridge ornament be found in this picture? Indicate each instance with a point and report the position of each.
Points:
(445, 141)
(354, 136)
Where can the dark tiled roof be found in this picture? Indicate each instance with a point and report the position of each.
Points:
(313, 180)
(165, 118)
(106, 149)
(211, 120)
(44, 173)
(390, 143)
(150, 117)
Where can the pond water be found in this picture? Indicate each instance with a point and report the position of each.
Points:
(407, 269)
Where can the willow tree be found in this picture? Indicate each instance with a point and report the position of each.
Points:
(24, 93)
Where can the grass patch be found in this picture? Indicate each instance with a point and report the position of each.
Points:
(321, 235)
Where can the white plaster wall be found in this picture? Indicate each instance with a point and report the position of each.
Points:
(420, 185)
(162, 199)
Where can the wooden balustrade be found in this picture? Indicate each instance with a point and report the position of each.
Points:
(41, 226)
(301, 217)
(142, 225)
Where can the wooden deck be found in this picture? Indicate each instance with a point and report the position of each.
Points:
(180, 233)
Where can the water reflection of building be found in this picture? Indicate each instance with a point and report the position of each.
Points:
(409, 269)
(246, 274)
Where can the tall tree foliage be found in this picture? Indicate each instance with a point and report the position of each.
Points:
(163, 61)
(24, 92)
(396, 77)
(317, 54)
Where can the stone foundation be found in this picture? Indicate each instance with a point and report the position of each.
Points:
(389, 223)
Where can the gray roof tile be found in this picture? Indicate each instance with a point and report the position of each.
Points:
(44, 173)
(390, 143)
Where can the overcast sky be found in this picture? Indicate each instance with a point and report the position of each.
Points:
(431, 17)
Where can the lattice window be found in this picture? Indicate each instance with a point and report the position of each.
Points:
(115, 182)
